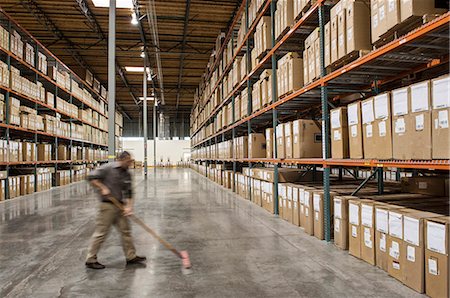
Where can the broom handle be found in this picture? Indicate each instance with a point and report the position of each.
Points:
(146, 228)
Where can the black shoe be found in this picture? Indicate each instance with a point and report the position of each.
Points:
(136, 260)
(95, 265)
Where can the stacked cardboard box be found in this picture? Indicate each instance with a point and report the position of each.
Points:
(387, 14)
(284, 16)
(14, 111)
(289, 73)
(263, 35)
(44, 152)
(339, 133)
(311, 71)
(4, 38)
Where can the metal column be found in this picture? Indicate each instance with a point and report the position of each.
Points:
(155, 104)
(145, 117)
(249, 90)
(325, 127)
(274, 111)
(112, 81)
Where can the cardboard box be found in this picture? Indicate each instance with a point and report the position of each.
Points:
(294, 190)
(334, 38)
(414, 248)
(368, 231)
(375, 22)
(381, 233)
(309, 211)
(256, 192)
(342, 34)
(341, 220)
(354, 227)
(419, 121)
(339, 133)
(256, 145)
(307, 139)
(62, 152)
(355, 130)
(281, 148)
(400, 109)
(437, 262)
(357, 26)
(419, 8)
(393, 13)
(269, 143)
(382, 16)
(435, 186)
(327, 46)
(288, 140)
(394, 243)
(266, 87)
(302, 198)
(377, 132)
(440, 115)
(319, 213)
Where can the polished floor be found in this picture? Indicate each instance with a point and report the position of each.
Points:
(237, 249)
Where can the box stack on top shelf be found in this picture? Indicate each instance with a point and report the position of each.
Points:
(384, 71)
(53, 124)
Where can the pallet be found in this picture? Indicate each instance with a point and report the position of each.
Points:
(352, 56)
(285, 95)
(403, 28)
(282, 34)
(307, 7)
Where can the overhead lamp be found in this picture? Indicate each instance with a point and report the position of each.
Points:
(150, 98)
(134, 19)
(119, 3)
(142, 54)
(134, 68)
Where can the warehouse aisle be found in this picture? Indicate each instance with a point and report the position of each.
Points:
(237, 249)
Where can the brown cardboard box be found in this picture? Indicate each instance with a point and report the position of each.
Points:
(377, 130)
(281, 148)
(414, 248)
(392, 13)
(437, 262)
(302, 196)
(342, 34)
(319, 213)
(368, 231)
(309, 211)
(269, 143)
(288, 140)
(282, 197)
(419, 8)
(339, 133)
(401, 135)
(334, 39)
(266, 87)
(256, 145)
(381, 233)
(295, 204)
(307, 139)
(317, 63)
(62, 152)
(306, 66)
(355, 130)
(327, 46)
(375, 22)
(357, 26)
(440, 115)
(382, 16)
(435, 186)
(354, 213)
(290, 207)
(394, 244)
(341, 220)
(419, 120)
(256, 192)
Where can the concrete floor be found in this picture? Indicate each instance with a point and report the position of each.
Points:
(237, 249)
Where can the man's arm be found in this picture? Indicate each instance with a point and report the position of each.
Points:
(95, 177)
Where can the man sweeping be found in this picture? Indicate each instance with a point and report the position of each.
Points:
(113, 179)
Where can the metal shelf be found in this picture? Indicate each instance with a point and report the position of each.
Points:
(343, 79)
(441, 165)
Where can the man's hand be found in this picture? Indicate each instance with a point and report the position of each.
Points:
(127, 211)
(105, 191)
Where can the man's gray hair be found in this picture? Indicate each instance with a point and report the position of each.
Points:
(124, 155)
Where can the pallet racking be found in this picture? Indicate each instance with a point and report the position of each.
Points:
(421, 51)
(96, 102)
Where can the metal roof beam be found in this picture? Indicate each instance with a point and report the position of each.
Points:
(183, 48)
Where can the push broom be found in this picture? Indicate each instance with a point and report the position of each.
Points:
(183, 255)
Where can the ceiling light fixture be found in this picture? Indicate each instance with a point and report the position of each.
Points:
(151, 98)
(134, 19)
(142, 56)
(134, 68)
(119, 3)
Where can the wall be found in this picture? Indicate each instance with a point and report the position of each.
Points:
(175, 150)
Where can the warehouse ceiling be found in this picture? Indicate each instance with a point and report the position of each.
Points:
(76, 31)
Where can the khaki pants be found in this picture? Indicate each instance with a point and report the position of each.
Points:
(109, 215)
